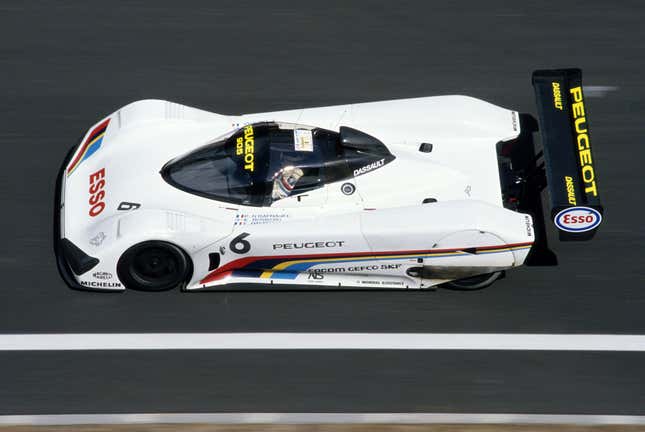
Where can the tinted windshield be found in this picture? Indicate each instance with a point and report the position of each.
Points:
(261, 163)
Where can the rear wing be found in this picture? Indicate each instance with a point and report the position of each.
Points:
(564, 128)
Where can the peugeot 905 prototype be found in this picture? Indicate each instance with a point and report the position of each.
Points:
(411, 193)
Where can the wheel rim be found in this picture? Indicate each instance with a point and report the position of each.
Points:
(153, 266)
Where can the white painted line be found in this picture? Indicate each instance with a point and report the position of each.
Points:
(329, 418)
(598, 91)
(321, 341)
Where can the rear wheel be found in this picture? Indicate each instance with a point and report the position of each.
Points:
(154, 266)
(474, 282)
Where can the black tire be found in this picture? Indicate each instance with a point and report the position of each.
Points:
(154, 266)
(474, 283)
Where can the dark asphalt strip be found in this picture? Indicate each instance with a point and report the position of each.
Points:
(322, 381)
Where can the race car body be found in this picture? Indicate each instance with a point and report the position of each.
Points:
(397, 194)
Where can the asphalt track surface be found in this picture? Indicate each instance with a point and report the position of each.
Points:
(63, 65)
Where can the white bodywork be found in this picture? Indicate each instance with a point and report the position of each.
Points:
(368, 239)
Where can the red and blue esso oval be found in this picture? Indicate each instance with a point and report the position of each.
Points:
(577, 219)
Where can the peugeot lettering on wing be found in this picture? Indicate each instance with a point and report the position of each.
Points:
(582, 138)
(578, 219)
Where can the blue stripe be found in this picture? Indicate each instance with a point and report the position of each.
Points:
(283, 275)
(93, 148)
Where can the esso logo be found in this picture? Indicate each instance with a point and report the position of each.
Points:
(97, 192)
(577, 219)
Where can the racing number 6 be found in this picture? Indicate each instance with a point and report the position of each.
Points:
(239, 245)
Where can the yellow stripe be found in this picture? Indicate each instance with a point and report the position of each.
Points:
(80, 159)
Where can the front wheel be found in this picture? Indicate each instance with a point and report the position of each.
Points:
(154, 266)
(474, 282)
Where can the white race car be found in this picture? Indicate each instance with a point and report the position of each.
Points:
(405, 194)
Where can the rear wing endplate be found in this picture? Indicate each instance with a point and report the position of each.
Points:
(564, 128)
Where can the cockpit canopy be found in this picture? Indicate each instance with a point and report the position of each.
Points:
(264, 162)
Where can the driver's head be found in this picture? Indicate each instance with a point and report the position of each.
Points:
(285, 180)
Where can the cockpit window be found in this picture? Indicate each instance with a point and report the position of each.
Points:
(264, 162)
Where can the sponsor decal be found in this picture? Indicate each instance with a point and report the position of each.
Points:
(571, 190)
(557, 95)
(245, 147)
(529, 225)
(331, 270)
(361, 268)
(259, 219)
(91, 144)
(370, 167)
(393, 283)
(97, 192)
(303, 140)
(94, 284)
(125, 206)
(348, 188)
(315, 276)
(577, 219)
(370, 282)
(98, 239)
(310, 245)
(102, 275)
(381, 282)
(582, 139)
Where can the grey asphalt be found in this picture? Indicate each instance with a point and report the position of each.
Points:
(329, 381)
(63, 65)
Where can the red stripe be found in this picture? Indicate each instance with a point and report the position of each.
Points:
(96, 131)
(242, 262)
(213, 277)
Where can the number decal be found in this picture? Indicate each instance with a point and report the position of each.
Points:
(239, 245)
